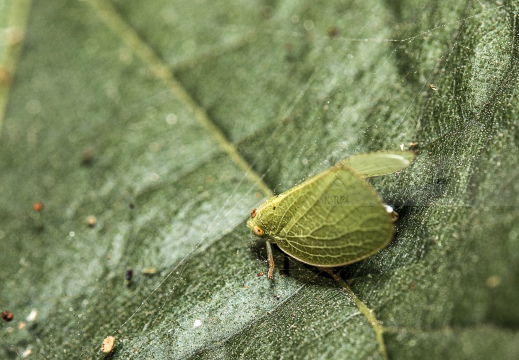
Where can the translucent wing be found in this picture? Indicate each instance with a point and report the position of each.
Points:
(332, 219)
(378, 163)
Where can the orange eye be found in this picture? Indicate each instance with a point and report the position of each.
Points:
(253, 213)
(258, 231)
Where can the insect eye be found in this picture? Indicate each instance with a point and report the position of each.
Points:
(253, 213)
(258, 231)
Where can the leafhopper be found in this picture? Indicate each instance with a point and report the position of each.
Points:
(334, 218)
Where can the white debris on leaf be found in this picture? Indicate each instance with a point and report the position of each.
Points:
(32, 315)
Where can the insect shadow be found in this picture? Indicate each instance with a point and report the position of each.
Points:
(291, 267)
(296, 269)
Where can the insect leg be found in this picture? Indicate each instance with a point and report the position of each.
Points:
(271, 259)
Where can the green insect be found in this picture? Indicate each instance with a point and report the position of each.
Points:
(334, 218)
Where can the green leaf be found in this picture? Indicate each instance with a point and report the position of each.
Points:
(149, 130)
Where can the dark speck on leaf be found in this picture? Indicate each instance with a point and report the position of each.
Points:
(87, 158)
(7, 315)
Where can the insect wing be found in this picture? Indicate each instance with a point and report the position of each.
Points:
(378, 163)
(336, 218)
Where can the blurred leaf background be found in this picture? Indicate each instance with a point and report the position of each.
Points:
(168, 121)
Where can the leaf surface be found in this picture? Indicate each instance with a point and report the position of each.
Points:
(169, 121)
